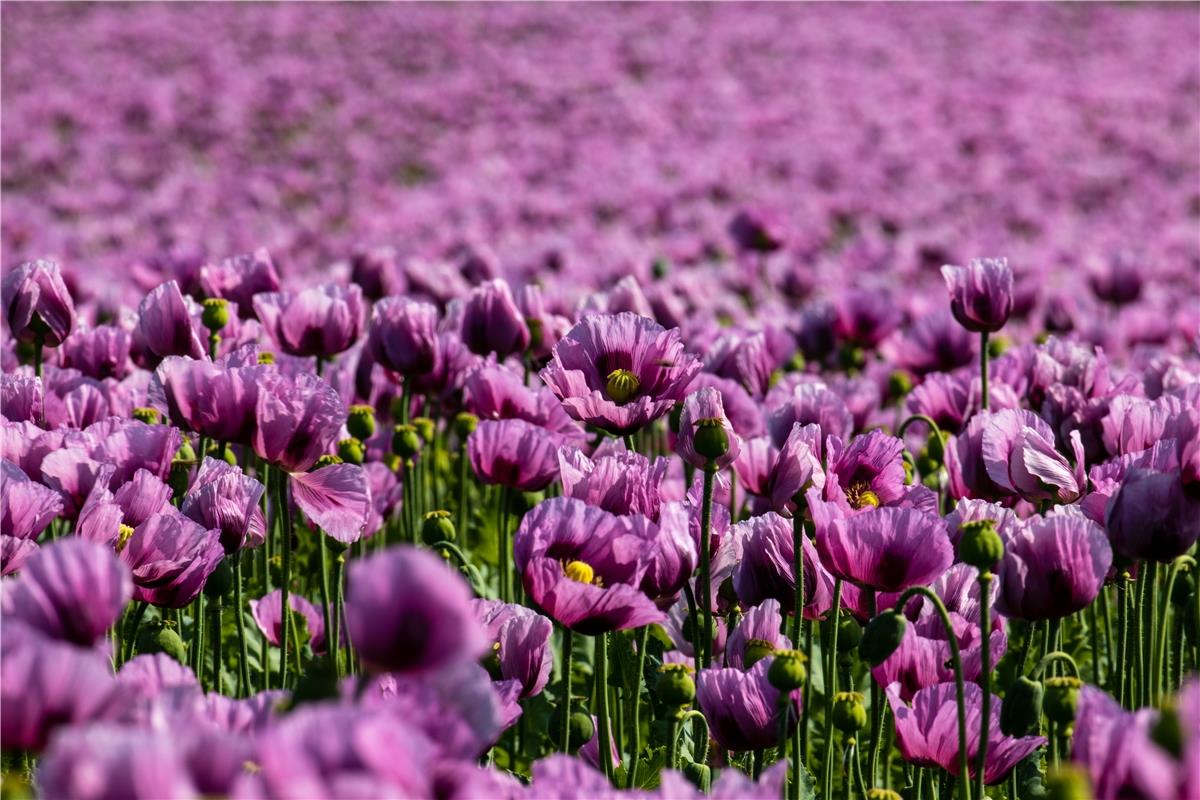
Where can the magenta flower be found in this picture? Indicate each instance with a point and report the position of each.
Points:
(100, 353)
(336, 499)
(965, 464)
(615, 479)
(1115, 749)
(37, 304)
(1019, 454)
(923, 658)
(583, 566)
(493, 391)
(73, 590)
(981, 293)
(297, 419)
(673, 555)
(406, 611)
(210, 399)
(744, 412)
(26, 507)
(1152, 516)
(704, 409)
(866, 473)
(132, 445)
(1053, 566)
(239, 278)
(171, 558)
(268, 615)
(761, 626)
(807, 403)
(107, 762)
(14, 553)
(223, 497)
(742, 708)
(887, 549)
(746, 358)
(933, 343)
(403, 336)
(520, 643)
(166, 326)
(321, 321)
(131, 504)
(21, 398)
(766, 568)
(865, 317)
(619, 372)
(513, 453)
(491, 321)
(757, 230)
(927, 732)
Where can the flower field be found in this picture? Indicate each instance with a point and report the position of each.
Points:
(501, 401)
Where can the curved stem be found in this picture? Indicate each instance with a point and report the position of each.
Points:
(705, 580)
(964, 783)
(918, 418)
(568, 654)
(696, 741)
(1050, 658)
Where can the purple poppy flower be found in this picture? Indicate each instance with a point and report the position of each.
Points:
(965, 465)
(743, 410)
(1114, 747)
(268, 615)
(545, 327)
(297, 419)
(105, 511)
(796, 470)
(239, 278)
(402, 336)
(744, 358)
(21, 398)
(493, 391)
(166, 326)
(72, 474)
(14, 553)
(981, 293)
(107, 762)
(1117, 280)
(45, 685)
(37, 304)
(673, 555)
(377, 272)
(743, 708)
(946, 399)
(923, 658)
(1151, 516)
(223, 497)
(132, 445)
(757, 230)
(334, 498)
(556, 772)
(865, 317)
(968, 510)
(321, 321)
(933, 343)
(520, 643)
(759, 629)
(491, 321)
(1019, 454)
(100, 353)
(513, 453)
(73, 591)
(583, 566)
(406, 611)
(1133, 424)
(766, 568)
(26, 507)
(1053, 566)
(927, 732)
(807, 403)
(619, 372)
(887, 549)
(705, 409)
(616, 480)
(171, 558)
(866, 473)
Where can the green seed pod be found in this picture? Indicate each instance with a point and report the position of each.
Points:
(979, 544)
(179, 477)
(185, 452)
(425, 428)
(877, 793)
(1068, 782)
(156, 637)
(674, 686)
(222, 453)
(899, 384)
(1022, 709)
(849, 713)
(850, 634)
(882, 636)
(756, 650)
(711, 440)
(351, 451)
(852, 359)
(220, 582)
(266, 358)
(437, 527)
(327, 460)
(622, 386)
(687, 628)
(1062, 699)
(406, 442)
(465, 424)
(146, 415)
(360, 422)
(581, 727)
(215, 315)
(788, 670)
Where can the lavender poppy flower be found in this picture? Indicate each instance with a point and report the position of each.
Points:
(796, 470)
(73, 591)
(72, 474)
(866, 473)
(968, 510)
(981, 293)
(268, 615)
(742, 708)
(106, 762)
(166, 326)
(37, 304)
(21, 398)
(26, 507)
(14, 553)
(766, 569)
(927, 733)
(1117, 280)
(513, 453)
(933, 343)
(545, 327)
(321, 321)
(946, 399)
(1114, 747)
(1019, 454)
(132, 445)
(616, 480)
(1151, 516)
(223, 497)
(743, 410)
(704, 409)
(212, 400)
(520, 643)
(965, 465)
(746, 359)
(492, 323)
(756, 635)
(403, 336)
(377, 272)
(808, 403)
(99, 353)
(1052, 567)
(493, 391)
(887, 549)
(673, 556)
(583, 566)
(131, 504)
(406, 611)
(619, 372)
(757, 230)
(923, 658)
(582, 775)
(865, 317)
(171, 558)
(334, 498)
(240, 278)
(297, 419)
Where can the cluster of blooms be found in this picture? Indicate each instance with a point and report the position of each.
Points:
(607, 487)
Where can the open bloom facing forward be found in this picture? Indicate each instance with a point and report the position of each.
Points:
(887, 549)
(1053, 566)
(514, 453)
(321, 321)
(981, 293)
(583, 566)
(620, 372)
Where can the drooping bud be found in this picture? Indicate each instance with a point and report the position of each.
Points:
(882, 636)
(1062, 699)
(622, 386)
(674, 686)
(437, 527)
(788, 670)
(406, 442)
(149, 416)
(711, 440)
(1022, 709)
(351, 451)
(360, 422)
(215, 315)
(979, 544)
(849, 713)
(220, 582)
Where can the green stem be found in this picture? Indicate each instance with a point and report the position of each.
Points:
(217, 608)
(878, 715)
(1110, 641)
(985, 677)
(568, 655)
(285, 518)
(1150, 599)
(831, 689)
(756, 759)
(462, 492)
(705, 580)
(502, 546)
(804, 707)
(131, 628)
(331, 649)
(672, 741)
(694, 621)
(1053, 657)
(699, 756)
(983, 370)
(1094, 636)
(1160, 655)
(918, 418)
(601, 691)
(240, 620)
(643, 637)
(38, 345)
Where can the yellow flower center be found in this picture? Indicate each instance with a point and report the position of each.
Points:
(860, 495)
(125, 532)
(579, 571)
(622, 386)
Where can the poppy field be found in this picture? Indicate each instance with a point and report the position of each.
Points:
(554, 401)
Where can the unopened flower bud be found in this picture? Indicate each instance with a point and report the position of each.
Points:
(1062, 699)
(580, 725)
(465, 424)
(406, 442)
(711, 440)
(1022, 709)
(882, 636)
(156, 637)
(220, 582)
(220, 452)
(787, 671)
(146, 415)
(899, 384)
(360, 422)
(849, 714)
(350, 451)
(849, 634)
(673, 418)
(215, 315)
(180, 477)
(185, 452)
(437, 527)
(979, 545)
(674, 686)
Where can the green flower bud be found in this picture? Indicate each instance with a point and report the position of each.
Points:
(899, 384)
(361, 422)
(327, 460)
(796, 363)
(220, 582)
(674, 686)
(935, 447)
(849, 713)
(979, 544)
(406, 442)
(425, 428)
(849, 634)
(180, 477)
(146, 415)
(535, 333)
(756, 650)
(154, 636)
(580, 725)
(882, 636)
(997, 346)
(351, 451)
(185, 452)
(266, 358)
(1068, 782)
(852, 359)
(437, 527)
(1062, 699)
(465, 424)
(215, 315)
(787, 671)
(1022, 709)
(711, 440)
